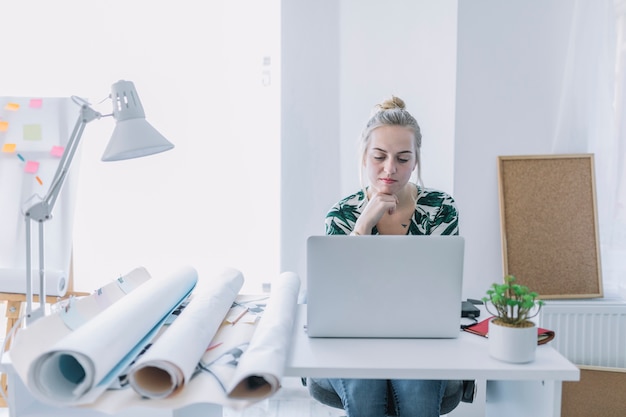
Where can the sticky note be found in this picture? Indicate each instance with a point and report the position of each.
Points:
(57, 151)
(32, 132)
(4, 126)
(35, 103)
(12, 106)
(31, 167)
(8, 147)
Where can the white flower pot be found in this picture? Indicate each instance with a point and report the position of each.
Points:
(512, 344)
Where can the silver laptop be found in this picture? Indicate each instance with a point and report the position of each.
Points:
(384, 286)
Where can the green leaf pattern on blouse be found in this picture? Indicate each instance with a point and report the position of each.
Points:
(435, 214)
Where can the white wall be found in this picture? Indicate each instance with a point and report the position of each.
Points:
(199, 68)
(405, 48)
(310, 120)
(510, 65)
(339, 60)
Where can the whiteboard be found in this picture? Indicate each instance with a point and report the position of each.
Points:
(33, 135)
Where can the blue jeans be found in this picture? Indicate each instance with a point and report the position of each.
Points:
(368, 397)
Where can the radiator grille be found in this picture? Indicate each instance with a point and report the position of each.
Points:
(590, 332)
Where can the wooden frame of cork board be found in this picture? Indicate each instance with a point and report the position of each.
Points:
(548, 220)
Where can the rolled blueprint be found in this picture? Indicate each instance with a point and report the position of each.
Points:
(171, 361)
(14, 280)
(81, 366)
(262, 365)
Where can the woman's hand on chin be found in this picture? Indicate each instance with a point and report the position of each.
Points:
(377, 206)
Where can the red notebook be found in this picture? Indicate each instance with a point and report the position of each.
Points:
(482, 328)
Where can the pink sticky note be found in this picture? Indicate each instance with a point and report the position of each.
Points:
(4, 126)
(35, 103)
(57, 151)
(8, 147)
(31, 167)
(12, 106)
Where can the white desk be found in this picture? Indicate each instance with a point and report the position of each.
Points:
(532, 389)
(512, 390)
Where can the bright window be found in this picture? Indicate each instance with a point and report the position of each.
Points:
(208, 77)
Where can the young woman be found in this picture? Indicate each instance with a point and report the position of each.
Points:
(389, 203)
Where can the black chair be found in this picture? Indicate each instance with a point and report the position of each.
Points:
(456, 391)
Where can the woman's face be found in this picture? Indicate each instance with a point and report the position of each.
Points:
(390, 158)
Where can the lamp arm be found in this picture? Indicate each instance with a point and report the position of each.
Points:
(42, 210)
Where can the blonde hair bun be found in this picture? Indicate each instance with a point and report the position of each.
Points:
(392, 103)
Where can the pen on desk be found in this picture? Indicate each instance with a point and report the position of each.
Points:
(214, 346)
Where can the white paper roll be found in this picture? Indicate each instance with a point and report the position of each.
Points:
(78, 368)
(13, 280)
(262, 365)
(170, 362)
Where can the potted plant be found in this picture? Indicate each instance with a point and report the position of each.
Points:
(512, 335)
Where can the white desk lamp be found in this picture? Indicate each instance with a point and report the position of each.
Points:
(133, 137)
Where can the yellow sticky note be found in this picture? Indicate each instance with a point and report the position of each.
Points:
(8, 147)
(12, 106)
(4, 126)
(32, 132)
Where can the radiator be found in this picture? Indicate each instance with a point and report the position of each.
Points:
(588, 332)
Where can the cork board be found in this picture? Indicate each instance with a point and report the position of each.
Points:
(548, 224)
(600, 392)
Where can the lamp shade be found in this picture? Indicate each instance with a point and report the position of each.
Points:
(133, 136)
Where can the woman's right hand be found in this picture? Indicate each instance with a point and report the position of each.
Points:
(377, 206)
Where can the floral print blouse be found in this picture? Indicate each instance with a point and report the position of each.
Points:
(435, 214)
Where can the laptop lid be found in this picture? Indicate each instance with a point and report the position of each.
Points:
(384, 286)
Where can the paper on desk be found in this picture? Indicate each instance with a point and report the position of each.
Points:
(78, 368)
(171, 361)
